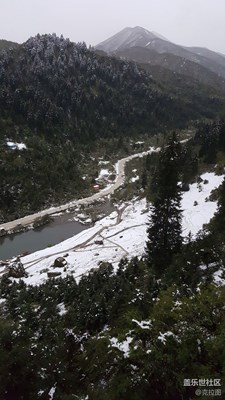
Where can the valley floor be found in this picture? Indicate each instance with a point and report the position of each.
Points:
(121, 234)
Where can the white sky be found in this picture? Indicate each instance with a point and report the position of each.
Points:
(187, 22)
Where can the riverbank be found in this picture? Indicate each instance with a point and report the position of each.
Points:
(61, 227)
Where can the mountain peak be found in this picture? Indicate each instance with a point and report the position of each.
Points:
(128, 37)
(140, 29)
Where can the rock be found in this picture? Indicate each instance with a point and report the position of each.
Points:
(40, 221)
(53, 274)
(3, 232)
(25, 253)
(17, 270)
(99, 242)
(66, 255)
(185, 187)
(60, 262)
(42, 271)
(4, 263)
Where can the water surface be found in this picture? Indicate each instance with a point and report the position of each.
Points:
(61, 228)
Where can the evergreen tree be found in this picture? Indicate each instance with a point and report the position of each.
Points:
(164, 229)
(217, 224)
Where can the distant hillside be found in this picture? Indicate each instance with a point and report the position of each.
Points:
(177, 64)
(217, 57)
(140, 37)
(53, 85)
(5, 45)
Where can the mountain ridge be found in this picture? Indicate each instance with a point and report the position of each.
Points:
(7, 44)
(175, 64)
(140, 37)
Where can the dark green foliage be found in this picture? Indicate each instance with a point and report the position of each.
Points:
(44, 174)
(211, 139)
(150, 171)
(53, 85)
(6, 44)
(164, 230)
(196, 263)
(40, 349)
(217, 224)
(59, 98)
(54, 344)
(188, 165)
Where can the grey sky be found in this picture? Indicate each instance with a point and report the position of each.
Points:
(187, 22)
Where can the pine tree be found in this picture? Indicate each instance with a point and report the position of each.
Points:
(217, 224)
(164, 229)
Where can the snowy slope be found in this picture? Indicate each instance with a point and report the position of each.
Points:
(194, 216)
(121, 234)
(128, 37)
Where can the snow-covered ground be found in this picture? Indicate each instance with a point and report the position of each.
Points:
(194, 216)
(121, 234)
(13, 145)
(134, 179)
(103, 173)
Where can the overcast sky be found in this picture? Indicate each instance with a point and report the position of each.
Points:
(187, 22)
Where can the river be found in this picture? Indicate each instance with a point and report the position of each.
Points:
(33, 240)
(61, 228)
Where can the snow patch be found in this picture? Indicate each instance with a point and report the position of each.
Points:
(62, 309)
(103, 173)
(134, 179)
(162, 336)
(52, 392)
(195, 216)
(142, 324)
(13, 145)
(122, 346)
(102, 162)
(219, 277)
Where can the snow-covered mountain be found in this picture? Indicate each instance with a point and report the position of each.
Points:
(212, 55)
(128, 37)
(140, 38)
